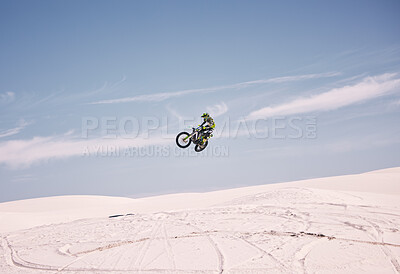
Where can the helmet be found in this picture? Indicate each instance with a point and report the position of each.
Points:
(205, 115)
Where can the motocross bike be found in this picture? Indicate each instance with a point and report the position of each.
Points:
(184, 139)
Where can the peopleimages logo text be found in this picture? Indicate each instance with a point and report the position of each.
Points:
(285, 127)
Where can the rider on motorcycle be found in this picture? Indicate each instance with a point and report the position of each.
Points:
(208, 126)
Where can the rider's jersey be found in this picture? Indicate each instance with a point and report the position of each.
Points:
(209, 122)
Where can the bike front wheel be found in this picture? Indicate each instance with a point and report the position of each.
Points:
(183, 140)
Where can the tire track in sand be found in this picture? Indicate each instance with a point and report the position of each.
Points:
(220, 256)
(146, 245)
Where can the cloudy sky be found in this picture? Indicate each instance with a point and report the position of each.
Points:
(93, 93)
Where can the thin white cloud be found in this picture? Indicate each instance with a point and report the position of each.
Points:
(174, 112)
(116, 84)
(217, 110)
(20, 126)
(396, 102)
(369, 88)
(24, 178)
(156, 97)
(293, 78)
(62, 97)
(24, 153)
(7, 97)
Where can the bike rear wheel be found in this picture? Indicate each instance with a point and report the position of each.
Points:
(180, 140)
(199, 148)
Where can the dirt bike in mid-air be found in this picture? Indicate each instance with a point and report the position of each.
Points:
(184, 139)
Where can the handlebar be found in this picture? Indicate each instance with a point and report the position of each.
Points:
(197, 128)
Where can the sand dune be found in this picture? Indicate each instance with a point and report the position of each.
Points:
(343, 224)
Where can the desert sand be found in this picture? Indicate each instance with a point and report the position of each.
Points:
(342, 224)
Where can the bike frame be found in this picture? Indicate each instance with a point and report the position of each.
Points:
(195, 133)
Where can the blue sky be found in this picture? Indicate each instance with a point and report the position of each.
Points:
(266, 70)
